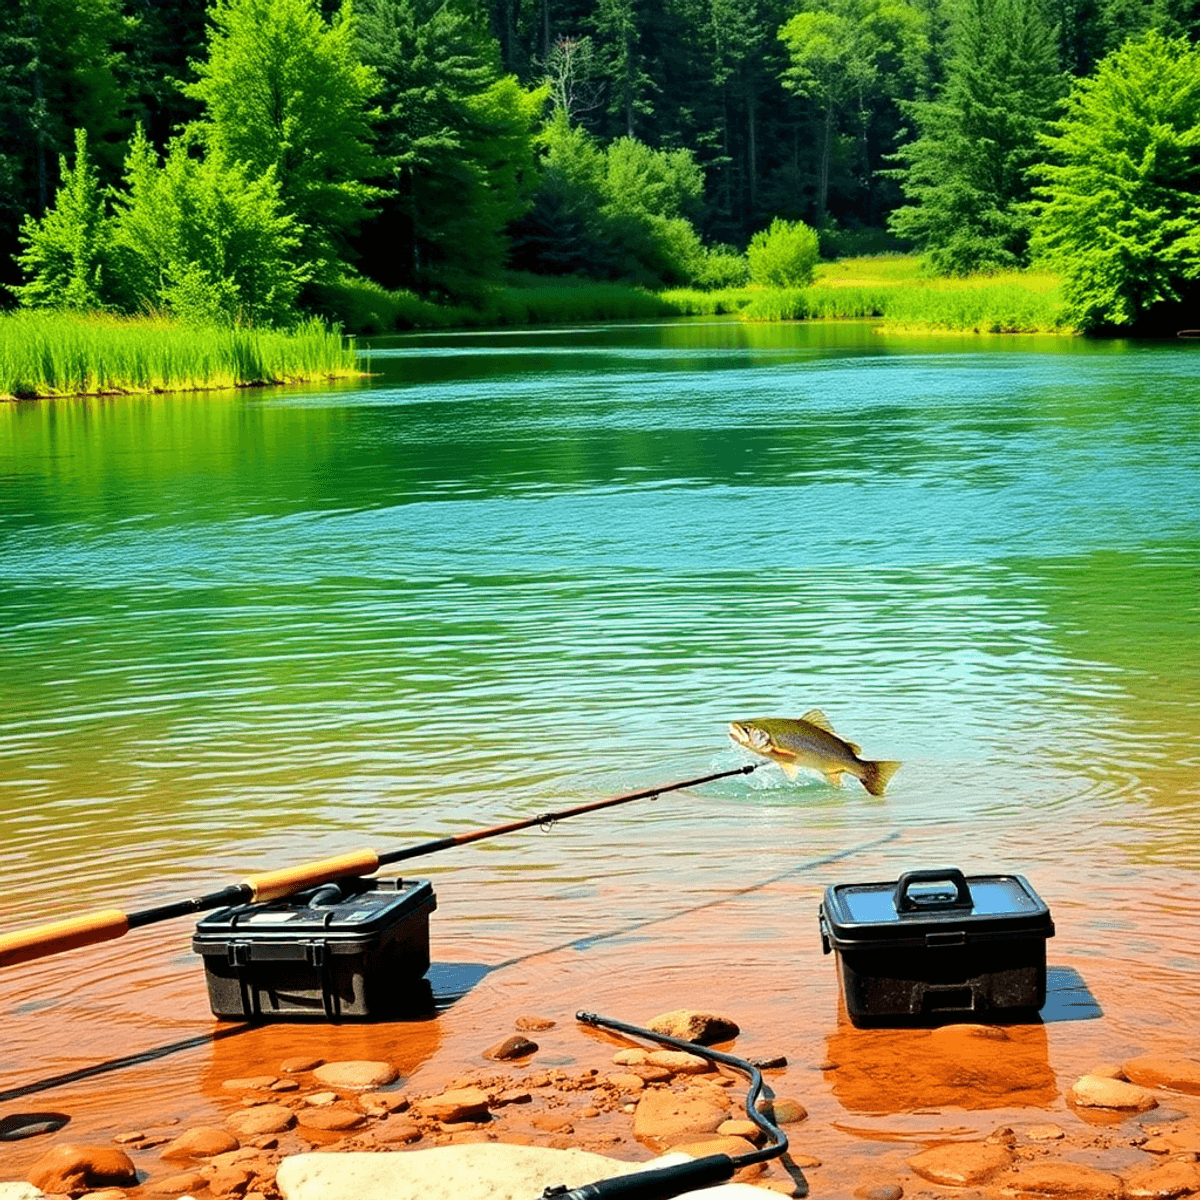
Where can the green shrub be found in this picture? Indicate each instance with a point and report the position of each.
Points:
(783, 256)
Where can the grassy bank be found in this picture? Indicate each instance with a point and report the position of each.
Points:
(59, 354)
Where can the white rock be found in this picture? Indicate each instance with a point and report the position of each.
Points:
(475, 1171)
(20, 1191)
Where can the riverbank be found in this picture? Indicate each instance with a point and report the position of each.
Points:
(889, 287)
(45, 354)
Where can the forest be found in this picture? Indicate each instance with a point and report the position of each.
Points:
(245, 159)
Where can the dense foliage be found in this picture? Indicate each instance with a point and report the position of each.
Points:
(290, 146)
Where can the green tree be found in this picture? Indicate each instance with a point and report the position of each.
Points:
(785, 255)
(966, 175)
(283, 90)
(67, 255)
(456, 136)
(1119, 203)
(203, 239)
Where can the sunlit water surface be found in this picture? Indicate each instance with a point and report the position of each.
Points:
(513, 572)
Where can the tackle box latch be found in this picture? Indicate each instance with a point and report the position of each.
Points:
(953, 937)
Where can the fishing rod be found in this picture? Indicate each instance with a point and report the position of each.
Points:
(41, 941)
(661, 1183)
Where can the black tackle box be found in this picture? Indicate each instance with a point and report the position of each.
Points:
(936, 946)
(354, 948)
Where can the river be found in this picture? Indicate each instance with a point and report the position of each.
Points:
(514, 571)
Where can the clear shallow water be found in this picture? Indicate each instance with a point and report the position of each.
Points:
(522, 570)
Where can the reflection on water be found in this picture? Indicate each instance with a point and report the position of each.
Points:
(515, 571)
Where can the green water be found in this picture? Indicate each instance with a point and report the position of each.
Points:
(516, 570)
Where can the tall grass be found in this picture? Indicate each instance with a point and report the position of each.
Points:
(60, 354)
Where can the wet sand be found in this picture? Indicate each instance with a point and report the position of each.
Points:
(1119, 987)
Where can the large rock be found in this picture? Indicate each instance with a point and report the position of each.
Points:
(961, 1164)
(1071, 1181)
(354, 1075)
(478, 1171)
(74, 1169)
(1096, 1091)
(688, 1025)
(1163, 1182)
(1165, 1071)
(664, 1118)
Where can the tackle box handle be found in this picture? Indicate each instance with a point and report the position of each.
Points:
(906, 903)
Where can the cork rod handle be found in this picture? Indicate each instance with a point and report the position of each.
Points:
(271, 885)
(43, 940)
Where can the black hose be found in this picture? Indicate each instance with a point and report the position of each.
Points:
(661, 1183)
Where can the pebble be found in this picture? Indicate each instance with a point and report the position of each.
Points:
(1163, 1182)
(1062, 1179)
(1174, 1072)
(202, 1141)
(771, 1063)
(516, 1046)
(377, 1103)
(251, 1083)
(630, 1058)
(961, 1164)
(666, 1117)
(1096, 1091)
(742, 1128)
(1044, 1133)
(285, 1085)
(108, 1194)
(356, 1074)
(688, 1025)
(17, 1126)
(72, 1167)
(229, 1181)
(321, 1099)
(459, 1104)
(733, 1146)
(335, 1117)
(535, 1024)
(267, 1118)
(299, 1065)
(625, 1081)
(397, 1130)
(879, 1191)
(649, 1074)
(781, 1109)
(785, 1187)
(551, 1123)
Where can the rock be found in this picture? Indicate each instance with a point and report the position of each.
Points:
(285, 1085)
(18, 1126)
(229, 1181)
(879, 1191)
(459, 1104)
(266, 1118)
(511, 1096)
(177, 1185)
(785, 1187)
(733, 1146)
(249, 1084)
(690, 1026)
(552, 1123)
(76, 1168)
(377, 1103)
(396, 1131)
(108, 1194)
(335, 1117)
(1044, 1133)
(516, 1046)
(625, 1081)
(534, 1024)
(679, 1062)
(321, 1099)
(1062, 1179)
(299, 1065)
(202, 1141)
(781, 1109)
(630, 1058)
(1095, 1091)
(1109, 1071)
(362, 1075)
(1177, 1141)
(1173, 1072)
(664, 1118)
(961, 1164)
(741, 1128)
(1163, 1182)
(772, 1063)
(19, 1191)
(648, 1074)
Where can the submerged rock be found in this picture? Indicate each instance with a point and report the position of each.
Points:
(691, 1026)
(1068, 1180)
(356, 1074)
(202, 1141)
(663, 1118)
(961, 1164)
(1097, 1091)
(1166, 1071)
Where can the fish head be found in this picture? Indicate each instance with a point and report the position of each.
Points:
(751, 735)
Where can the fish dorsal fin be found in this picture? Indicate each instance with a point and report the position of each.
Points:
(816, 717)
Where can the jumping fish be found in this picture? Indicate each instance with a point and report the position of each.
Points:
(809, 741)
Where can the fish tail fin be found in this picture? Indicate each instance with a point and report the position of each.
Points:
(875, 778)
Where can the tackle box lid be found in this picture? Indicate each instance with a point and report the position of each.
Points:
(346, 914)
(933, 900)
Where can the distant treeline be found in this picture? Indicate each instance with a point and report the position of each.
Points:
(244, 157)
